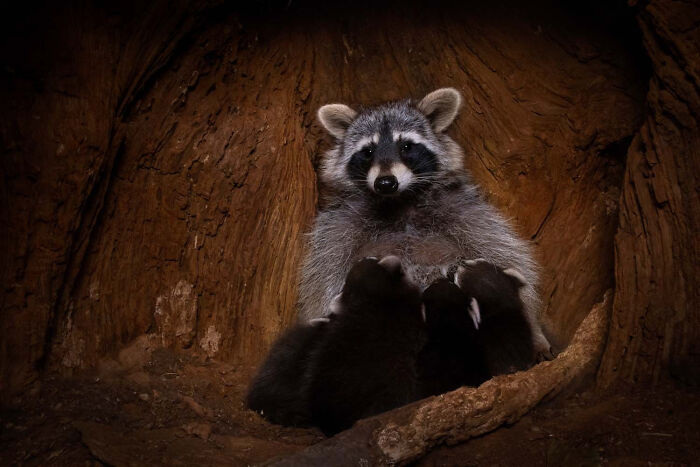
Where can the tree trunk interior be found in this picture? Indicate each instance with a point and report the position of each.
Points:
(158, 177)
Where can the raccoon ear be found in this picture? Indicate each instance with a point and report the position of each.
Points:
(336, 118)
(519, 279)
(441, 107)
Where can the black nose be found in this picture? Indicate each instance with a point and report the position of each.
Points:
(386, 185)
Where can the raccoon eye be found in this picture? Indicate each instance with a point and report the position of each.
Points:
(368, 152)
(406, 146)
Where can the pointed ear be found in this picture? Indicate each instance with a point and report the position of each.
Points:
(516, 276)
(441, 107)
(336, 118)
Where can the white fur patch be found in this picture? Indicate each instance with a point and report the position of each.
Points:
(415, 138)
(458, 274)
(372, 176)
(411, 136)
(334, 307)
(475, 313)
(364, 142)
(403, 174)
(319, 320)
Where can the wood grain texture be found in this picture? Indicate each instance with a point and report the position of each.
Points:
(656, 318)
(69, 74)
(178, 202)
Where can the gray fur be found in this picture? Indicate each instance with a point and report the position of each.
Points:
(448, 224)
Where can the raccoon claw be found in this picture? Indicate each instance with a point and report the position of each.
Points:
(474, 313)
(391, 263)
(474, 262)
(515, 274)
(315, 321)
(334, 307)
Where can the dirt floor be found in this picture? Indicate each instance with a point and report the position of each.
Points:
(151, 406)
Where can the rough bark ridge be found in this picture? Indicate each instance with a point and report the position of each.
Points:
(656, 310)
(69, 75)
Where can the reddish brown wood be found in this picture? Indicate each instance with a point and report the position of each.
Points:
(656, 318)
(183, 181)
(157, 179)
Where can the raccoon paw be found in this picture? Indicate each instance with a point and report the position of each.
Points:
(466, 268)
(480, 270)
(374, 280)
(447, 306)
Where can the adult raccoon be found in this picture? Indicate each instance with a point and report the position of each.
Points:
(395, 184)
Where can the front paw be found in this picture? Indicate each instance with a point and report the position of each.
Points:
(488, 283)
(447, 307)
(373, 280)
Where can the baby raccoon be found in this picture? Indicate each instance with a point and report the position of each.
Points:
(505, 334)
(476, 329)
(452, 356)
(359, 362)
(395, 185)
(279, 390)
(366, 362)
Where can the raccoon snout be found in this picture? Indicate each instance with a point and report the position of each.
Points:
(386, 185)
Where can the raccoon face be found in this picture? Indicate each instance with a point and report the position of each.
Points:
(391, 149)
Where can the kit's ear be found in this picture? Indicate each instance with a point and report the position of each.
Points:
(516, 277)
(441, 107)
(336, 118)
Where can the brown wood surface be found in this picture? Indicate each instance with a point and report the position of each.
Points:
(161, 178)
(158, 168)
(656, 318)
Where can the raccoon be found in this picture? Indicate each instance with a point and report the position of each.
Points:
(384, 345)
(394, 184)
(476, 329)
(279, 390)
(366, 362)
(358, 362)
(452, 356)
(504, 335)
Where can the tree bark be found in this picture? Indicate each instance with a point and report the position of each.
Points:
(71, 73)
(169, 179)
(158, 178)
(656, 316)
